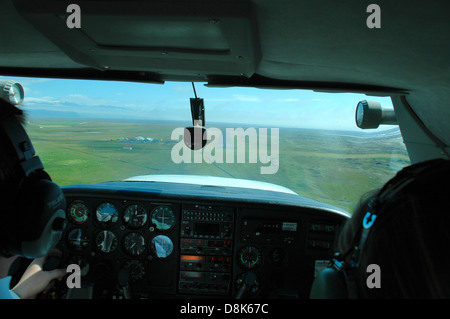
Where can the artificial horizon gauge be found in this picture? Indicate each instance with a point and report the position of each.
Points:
(12, 91)
(107, 214)
(135, 216)
(78, 212)
(163, 217)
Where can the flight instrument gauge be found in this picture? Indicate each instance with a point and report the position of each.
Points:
(250, 257)
(78, 212)
(135, 216)
(134, 244)
(107, 214)
(163, 217)
(106, 241)
(161, 246)
(77, 239)
(12, 92)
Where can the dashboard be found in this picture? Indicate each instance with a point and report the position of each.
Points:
(158, 240)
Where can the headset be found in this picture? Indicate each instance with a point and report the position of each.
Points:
(33, 208)
(337, 281)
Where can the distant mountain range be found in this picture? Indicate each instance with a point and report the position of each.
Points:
(53, 114)
(50, 114)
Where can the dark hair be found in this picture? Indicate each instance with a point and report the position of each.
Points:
(9, 171)
(410, 241)
(7, 154)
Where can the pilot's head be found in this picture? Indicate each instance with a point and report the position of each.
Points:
(7, 156)
(402, 229)
(33, 207)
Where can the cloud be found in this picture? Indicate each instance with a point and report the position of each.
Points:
(232, 98)
(31, 101)
(89, 101)
(71, 100)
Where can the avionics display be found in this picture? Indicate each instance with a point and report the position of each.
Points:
(205, 250)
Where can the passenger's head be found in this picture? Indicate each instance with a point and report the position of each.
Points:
(409, 239)
(32, 212)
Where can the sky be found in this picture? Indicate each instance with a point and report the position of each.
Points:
(170, 101)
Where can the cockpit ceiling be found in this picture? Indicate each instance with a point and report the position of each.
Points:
(323, 45)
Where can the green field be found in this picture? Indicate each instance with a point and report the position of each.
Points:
(325, 166)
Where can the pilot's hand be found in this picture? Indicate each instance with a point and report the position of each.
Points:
(36, 280)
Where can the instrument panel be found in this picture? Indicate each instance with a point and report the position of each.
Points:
(107, 235)
(132, 227)
(175, 246)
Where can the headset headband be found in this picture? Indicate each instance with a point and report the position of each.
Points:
(22, 146)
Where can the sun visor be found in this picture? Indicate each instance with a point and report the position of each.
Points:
(167, 37)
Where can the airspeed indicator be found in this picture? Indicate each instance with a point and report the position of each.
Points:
(78, 212)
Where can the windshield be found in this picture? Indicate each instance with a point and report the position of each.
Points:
(98, 131)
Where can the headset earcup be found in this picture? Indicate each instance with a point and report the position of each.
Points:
(38, 219)
(329, 284)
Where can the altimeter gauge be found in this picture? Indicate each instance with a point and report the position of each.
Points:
(135, 216)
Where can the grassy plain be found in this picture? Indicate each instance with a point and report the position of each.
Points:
(332, 167)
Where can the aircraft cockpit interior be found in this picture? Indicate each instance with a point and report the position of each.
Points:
(215, 150)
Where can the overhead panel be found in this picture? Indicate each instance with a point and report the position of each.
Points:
(166, 37)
